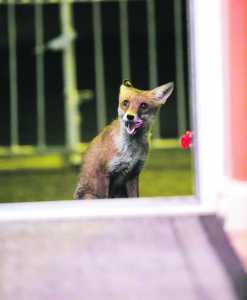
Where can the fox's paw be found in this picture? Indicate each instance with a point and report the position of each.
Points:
(81, 194)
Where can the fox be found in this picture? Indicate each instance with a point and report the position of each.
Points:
(116, 156)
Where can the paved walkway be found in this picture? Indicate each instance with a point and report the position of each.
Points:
(161, 257)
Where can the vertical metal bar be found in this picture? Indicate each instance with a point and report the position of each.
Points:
(180, 82)
(99, 66)
(14, 134)
(39, 41)
(152, 56)
(72, 117)
(124, 39)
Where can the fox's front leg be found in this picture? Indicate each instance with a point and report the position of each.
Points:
(132, 187)
(95, 187)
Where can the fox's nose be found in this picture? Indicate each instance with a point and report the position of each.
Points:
(130, 117)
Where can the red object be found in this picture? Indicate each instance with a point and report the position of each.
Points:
(186, 140)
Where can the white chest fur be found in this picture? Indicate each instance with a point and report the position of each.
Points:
(131, 153)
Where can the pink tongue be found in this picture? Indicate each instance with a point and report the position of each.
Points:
(131, 129)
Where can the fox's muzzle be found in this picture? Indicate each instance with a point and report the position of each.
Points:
(130, 117)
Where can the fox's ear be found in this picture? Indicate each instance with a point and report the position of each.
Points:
(127, 83)
(163, 92)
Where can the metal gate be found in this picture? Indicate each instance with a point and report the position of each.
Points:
(65, 43)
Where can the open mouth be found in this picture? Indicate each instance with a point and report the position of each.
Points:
(132, 126)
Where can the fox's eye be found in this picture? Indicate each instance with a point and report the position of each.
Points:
(143, 106)
(125, 103)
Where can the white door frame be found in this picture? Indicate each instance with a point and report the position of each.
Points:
(214, 190)
(209, 91)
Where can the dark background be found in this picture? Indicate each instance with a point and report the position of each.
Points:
(85, 66)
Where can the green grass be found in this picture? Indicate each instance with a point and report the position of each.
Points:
(167, 173)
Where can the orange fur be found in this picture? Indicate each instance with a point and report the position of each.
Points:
(116, 156)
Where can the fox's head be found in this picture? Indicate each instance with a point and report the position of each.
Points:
(137, 108)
